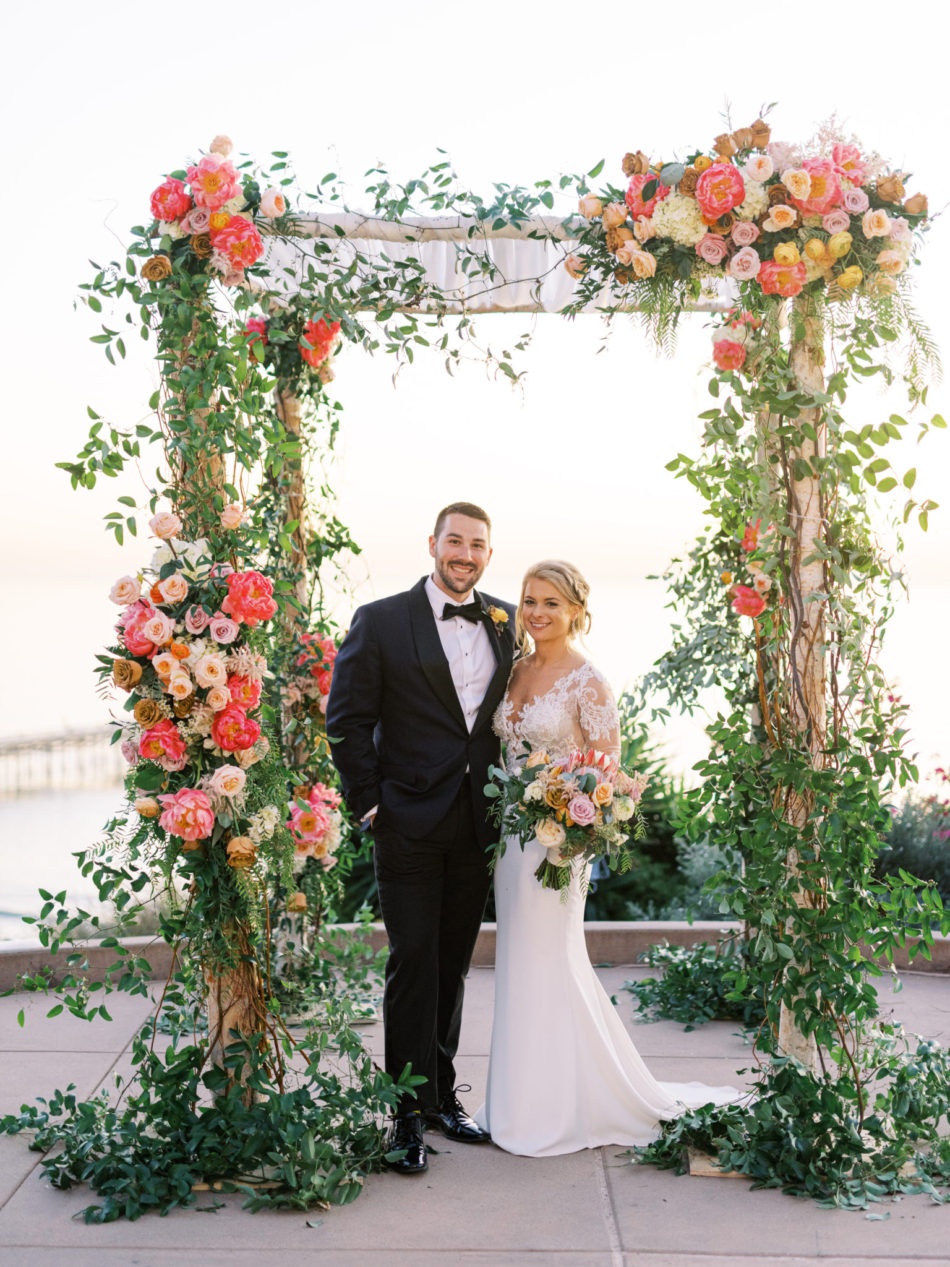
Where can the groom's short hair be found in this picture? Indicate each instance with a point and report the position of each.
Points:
(461, 508)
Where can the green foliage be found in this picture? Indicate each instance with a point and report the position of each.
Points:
(843, 1142)
(698, 985)
(918, 841)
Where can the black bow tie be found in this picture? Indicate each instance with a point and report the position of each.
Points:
(468, 611)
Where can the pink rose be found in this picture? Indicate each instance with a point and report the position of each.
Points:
(711, 248)
(582, 809)
(223, 630)
(273, 203)
(187, 814)
(227, 780)
(129, 751)
(127, 589)
(745, 264)
(213, 182)
(166, 524)
(744, 232)
(759, 168)
(836, 221)
(634, 195)
(729, 354)
(197, 220)
(196, 620)
(170, 200)
(232, 516)
(174, 588)
(899, 230)
(855, 201)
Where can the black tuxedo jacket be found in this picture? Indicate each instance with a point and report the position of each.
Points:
(397, 733)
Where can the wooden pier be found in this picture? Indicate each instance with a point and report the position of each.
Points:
(67, 759)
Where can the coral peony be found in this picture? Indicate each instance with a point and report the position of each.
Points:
(131, 624)
(232, 729)
(719, 189)
(849, 163)
(162, 743)
(750, 538)
(781, 279)
(187, 814)
(249, 598)
(239, 243)
(245, 691)
(170, 200)
(647, 182)
(213, 182)
(746, 601)
(320, 337)
(728, 354)
(825, 188)
(255, 331)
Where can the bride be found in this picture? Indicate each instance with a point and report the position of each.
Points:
(563, 1073)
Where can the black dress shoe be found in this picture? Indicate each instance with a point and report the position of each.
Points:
(454, 1123)
(405, 1137)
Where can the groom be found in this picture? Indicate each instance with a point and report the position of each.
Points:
(415, 685)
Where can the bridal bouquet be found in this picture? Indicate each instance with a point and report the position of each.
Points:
(582, 806)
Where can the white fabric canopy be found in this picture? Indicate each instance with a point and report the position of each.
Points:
(433, 250)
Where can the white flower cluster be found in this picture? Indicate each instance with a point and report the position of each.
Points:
(262, 825)
(755, 203)
(679, 218)
(195, 556)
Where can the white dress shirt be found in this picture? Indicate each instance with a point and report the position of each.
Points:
(467, 648)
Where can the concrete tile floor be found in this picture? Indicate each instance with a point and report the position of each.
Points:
(478, 1207)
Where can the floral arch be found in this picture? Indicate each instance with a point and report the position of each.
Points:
(224, 652)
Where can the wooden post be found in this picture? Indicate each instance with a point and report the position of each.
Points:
(806, 684)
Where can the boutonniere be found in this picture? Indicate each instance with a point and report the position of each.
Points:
(499, 617)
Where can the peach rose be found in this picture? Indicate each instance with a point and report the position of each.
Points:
(890, 262)
(232, 516)
(241, 852)
(602, 794)
(876, 224)
(174, 588)
(222, 145)
(159, 629)
(745, 264)
(217, 698)
(615, 213)
(590, 206)
(211, 671)
(166, 524)
(273, 203)
(643, 229)
(780, 217)
(797, 182)
(180, 686)
(227, 780)
(576, 266)
(759, 168)
(165, 664)
(549, 833)
(147, 806)
(644, 264)
(297, 903)
(916, 205)
(126, 590)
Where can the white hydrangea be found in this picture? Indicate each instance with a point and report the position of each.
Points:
(262, 825)
(755, 203)
(196, 556)
(679, 218)
(534, 792)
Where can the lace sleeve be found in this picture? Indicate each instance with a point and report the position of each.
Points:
(597, 712)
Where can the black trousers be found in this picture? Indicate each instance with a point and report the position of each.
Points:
(432, 893)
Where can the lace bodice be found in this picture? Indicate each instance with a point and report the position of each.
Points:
(579, 711)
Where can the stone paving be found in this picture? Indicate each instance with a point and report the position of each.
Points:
(476, 1206)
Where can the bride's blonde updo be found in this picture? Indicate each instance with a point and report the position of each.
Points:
(569, 583)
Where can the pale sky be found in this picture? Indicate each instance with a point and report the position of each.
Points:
(102, 101)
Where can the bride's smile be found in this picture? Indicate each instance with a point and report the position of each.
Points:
(546, 613)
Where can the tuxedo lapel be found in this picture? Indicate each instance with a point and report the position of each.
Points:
(502, 646)
(429, 650)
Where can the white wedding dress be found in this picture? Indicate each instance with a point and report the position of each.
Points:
(563, 1072)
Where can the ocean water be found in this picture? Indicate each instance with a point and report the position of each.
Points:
(38, 836)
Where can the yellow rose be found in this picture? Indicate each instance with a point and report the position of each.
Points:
(535, 759)
(815, 250)
(839, 244)
(786, 253)
(850, 278)
(726, 578)
(703, 163)
(218, 220)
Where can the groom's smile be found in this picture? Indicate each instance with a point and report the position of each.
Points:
(461, 552)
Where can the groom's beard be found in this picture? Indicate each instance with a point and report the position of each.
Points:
(458, 582)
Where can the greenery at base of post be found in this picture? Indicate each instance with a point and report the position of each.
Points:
(697, 985)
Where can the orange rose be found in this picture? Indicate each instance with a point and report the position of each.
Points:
(761, 134)
(156, 269)
(125, 673)
(702, 164)
(602, 794)
(179, 650)
(147, 712)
